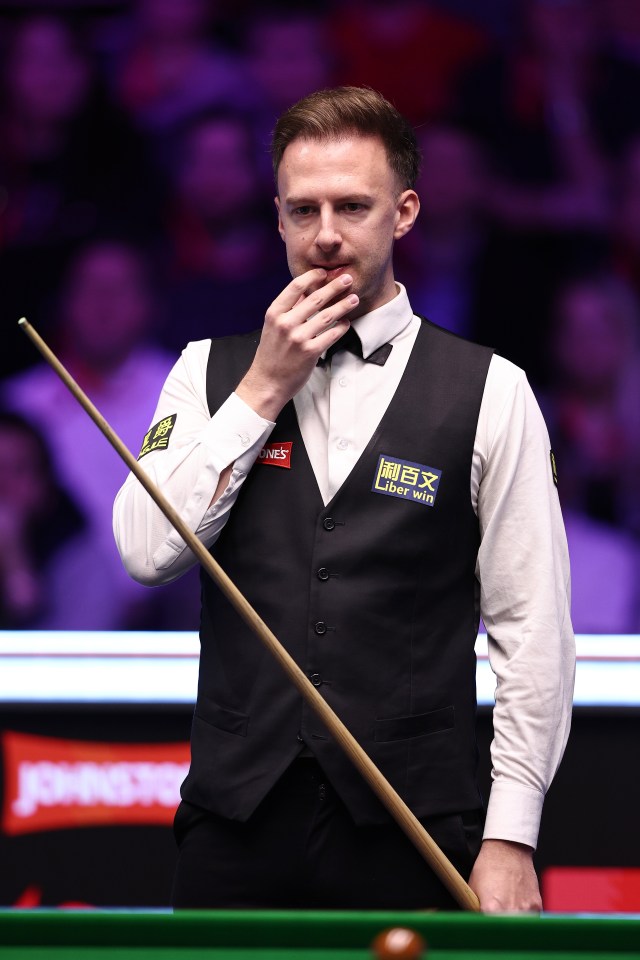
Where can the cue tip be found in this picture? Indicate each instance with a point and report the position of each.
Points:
(22, 322)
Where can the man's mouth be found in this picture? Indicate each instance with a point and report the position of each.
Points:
(333, 269)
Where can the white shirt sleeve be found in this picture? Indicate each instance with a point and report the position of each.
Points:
(187, 471)
(523, 569)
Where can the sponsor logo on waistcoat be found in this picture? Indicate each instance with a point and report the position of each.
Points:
(406, 480)
(276, 454)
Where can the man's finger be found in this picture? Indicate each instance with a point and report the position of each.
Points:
(311, 297)
(299, 288)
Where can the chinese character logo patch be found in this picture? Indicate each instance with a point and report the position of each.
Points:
(158, 436)
(407, 480)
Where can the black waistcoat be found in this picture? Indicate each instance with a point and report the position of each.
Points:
(374, 595)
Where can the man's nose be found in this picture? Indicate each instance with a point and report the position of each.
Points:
(328, 235)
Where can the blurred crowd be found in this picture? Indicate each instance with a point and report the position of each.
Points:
(136, 214)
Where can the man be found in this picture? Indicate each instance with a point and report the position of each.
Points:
(369, 506)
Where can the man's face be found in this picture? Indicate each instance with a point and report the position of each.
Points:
(108, 305)
(340, 207)
(217, 179)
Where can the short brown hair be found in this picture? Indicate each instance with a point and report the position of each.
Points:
(334, 113)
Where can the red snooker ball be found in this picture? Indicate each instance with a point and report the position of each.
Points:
(399, 943)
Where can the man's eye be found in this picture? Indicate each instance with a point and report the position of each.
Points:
(353, 207)
(302, 211)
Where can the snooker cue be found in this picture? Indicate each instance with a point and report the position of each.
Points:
(396, 806)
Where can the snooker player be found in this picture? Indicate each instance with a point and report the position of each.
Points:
(372, 484)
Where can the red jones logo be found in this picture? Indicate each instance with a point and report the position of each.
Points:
(57, 784)
(276, 454)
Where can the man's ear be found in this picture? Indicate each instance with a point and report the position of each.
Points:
(276, 200)
(407, 208)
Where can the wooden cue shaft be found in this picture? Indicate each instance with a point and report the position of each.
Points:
(436, 859)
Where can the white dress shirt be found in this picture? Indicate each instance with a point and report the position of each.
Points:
(522, 563)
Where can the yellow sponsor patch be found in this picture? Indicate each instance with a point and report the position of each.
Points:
(158, 436)
(406, 480)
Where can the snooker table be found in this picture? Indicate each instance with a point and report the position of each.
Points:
(305, 935)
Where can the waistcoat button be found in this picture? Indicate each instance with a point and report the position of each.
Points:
(316, 679)
(328, 523)
(320, 627)
(323, 573)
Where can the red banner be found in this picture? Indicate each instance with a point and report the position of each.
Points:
(591, 889)
(60, 784)
(276, 454)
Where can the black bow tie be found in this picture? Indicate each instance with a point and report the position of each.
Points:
(351, 342)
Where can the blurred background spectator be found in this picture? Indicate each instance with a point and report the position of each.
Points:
(555, 108)
(69, 162)
(107, 309)
(148, 121)
(605, 576)
(412, 50)
(223, 257)
(621, 24)
(289, 54)
(172, 69)
(47, 550)
(444, 260)
(625, 217)
(593, 407)
(593, 415)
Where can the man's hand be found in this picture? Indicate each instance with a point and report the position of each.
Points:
(298, 328)
(504, 878)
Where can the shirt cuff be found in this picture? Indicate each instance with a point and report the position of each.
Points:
(513, 813)
(233, 430)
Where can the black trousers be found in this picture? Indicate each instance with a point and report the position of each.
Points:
(301, 849)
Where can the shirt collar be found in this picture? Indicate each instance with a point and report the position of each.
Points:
(385, 323)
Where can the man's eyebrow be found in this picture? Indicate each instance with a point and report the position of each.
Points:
(347, 198)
